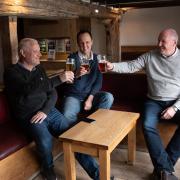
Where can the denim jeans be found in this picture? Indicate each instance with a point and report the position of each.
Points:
(71, 106)
(42, 133)
(162, 159)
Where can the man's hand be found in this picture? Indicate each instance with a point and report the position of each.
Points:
(168, 113)
(66, 76)
(110, 66)
(81, 71)
(88, 103)
(39, 117)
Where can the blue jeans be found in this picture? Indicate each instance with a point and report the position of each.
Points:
(71, 106)
(42, 133)
(162, 159)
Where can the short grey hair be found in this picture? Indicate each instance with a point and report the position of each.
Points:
(173, 33)
(25, 43)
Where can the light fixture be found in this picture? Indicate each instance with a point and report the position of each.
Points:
(96, 11)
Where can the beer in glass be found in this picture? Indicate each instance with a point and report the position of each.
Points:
(85, 64)
(70, 66)
(102, 65)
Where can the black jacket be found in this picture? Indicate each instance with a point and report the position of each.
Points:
(29, 91)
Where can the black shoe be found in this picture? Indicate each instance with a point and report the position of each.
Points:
(112, 178)
(165, 175)
(49, 174)
(155, 176)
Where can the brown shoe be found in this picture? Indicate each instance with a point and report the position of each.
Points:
(165, 175)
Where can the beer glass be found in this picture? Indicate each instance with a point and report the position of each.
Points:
(85, 64)
(102, 65)
(70, 66)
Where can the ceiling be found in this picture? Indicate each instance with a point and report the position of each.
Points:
(137, 3)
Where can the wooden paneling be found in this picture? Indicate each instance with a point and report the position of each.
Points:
(132, 52)
(24, 163)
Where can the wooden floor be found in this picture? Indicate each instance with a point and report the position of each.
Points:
(140, 171)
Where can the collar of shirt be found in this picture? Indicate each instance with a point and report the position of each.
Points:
(34, 68)
(174, 54)
(82, 56)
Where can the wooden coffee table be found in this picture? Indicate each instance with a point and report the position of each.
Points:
(99, 139)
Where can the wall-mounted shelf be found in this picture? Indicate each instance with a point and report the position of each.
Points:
(54, 61)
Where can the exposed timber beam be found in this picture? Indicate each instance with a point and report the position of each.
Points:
(53, 9)
(9, 40)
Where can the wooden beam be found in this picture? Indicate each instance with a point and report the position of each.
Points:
(54, 9)
(113, 46)
(9, 40)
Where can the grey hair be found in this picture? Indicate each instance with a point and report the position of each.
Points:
(25, 43)
(173, 33)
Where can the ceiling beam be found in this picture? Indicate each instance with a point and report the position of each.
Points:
(138, 3)
(54, 9)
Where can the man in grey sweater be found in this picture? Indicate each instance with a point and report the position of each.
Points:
(162, 67)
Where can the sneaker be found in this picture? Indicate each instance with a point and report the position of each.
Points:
(49, 174)
(165, 175)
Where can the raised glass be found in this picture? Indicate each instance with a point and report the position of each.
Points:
(85, 64)
(102, 65)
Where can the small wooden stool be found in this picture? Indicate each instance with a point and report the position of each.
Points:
(99, 139)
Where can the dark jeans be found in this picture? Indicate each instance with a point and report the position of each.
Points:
(55, 124)
(71, 106)
(162, 159)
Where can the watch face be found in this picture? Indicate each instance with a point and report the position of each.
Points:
(175, 108)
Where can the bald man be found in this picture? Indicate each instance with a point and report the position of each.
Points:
(162, 67)
(32, 98)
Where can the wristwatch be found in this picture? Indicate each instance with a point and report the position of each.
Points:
(175, 108)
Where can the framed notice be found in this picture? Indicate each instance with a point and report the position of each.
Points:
(51, 48)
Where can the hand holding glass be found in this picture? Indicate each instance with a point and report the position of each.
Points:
(102, 63)
(70, 66)
(86, 65)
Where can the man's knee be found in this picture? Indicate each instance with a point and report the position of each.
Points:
(71, 116)
(107, 99)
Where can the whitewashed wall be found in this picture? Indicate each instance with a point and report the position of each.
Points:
(142, 26)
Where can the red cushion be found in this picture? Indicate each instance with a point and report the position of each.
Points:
(11, 138)
(4, 110)
(125, 86)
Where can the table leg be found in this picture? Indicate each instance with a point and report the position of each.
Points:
(104, 163)
(132, 146)
(69, 162)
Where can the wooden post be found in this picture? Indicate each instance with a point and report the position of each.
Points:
(113, 46)
(9, 40)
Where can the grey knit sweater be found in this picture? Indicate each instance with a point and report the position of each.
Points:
(163, 74)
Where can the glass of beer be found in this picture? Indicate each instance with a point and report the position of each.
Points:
(70, 66)
(85, 64)
(102, 65)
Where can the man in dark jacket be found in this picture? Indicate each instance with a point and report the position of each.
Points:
(84, 93)
(32, 99)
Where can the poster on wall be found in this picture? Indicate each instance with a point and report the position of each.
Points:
(51, 49)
